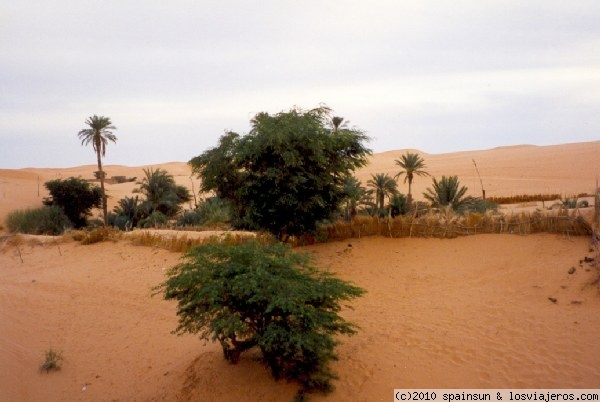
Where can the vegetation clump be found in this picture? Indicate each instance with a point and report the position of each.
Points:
(76, 197)
(48, 220)
(52, 361)
(265, 296)
(287, 173)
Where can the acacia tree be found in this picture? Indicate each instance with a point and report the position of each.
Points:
(287, 173)
(252, 295)
(412, 164)
(98, 135)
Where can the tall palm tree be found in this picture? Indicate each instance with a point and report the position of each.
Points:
(384, 186)
(98, 135)
(411, 164)
(448, 193)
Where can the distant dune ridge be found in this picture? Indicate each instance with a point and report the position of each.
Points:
(567, 169)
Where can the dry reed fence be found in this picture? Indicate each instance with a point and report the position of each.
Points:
(449, 225)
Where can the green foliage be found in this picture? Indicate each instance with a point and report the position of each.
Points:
(127, 213)
(448, 193)
(356, 195)
(52, 361)
(411, 164)
(39, 221)
(287, 173)
(398, 204)
(75, 196)
(154, 220)
(162, 193)
(211, 212)
(384, 186)
(267, 296)
(98, 134)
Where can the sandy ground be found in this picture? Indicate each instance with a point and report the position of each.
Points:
(472, 312)
(488, 311)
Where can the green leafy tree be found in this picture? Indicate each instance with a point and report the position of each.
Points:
(252, 295)
(76, 197)
(162, 193)
(287, 173)
(448, 193)
(412, 164)
(98, 135)
(384, 186)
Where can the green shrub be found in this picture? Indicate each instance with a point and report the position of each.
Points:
(212, 212)
(155, 220)
(75, 196)
(267, 296)
(44, 220)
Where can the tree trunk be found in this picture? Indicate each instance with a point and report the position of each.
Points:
(409, 198)
(104, 206)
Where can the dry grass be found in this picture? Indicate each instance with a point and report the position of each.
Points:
(99, 235)
(182, 243)
(450, 225)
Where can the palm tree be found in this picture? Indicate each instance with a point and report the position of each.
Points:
(355, 192)
(448, 193)
(338, 123)
(412, 164)
(162, 193)
(384, 185)
(98, 135)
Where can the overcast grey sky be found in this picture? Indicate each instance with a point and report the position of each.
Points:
(438, 76)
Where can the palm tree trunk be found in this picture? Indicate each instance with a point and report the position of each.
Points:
(409, 194)
(101, 173)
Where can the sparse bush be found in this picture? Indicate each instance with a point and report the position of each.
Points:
(267, 296)
(123, 179)
(44, 220)
(569, 203)
(583, 204)
(52, 361)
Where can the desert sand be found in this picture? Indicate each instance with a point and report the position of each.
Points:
(485, 311)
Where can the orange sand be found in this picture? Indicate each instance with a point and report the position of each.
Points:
(471, 312)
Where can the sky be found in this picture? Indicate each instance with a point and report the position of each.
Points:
(437, 76)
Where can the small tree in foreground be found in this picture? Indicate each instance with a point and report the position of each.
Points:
(266, 296)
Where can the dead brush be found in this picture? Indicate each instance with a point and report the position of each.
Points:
(101, 234)
(52, 361)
